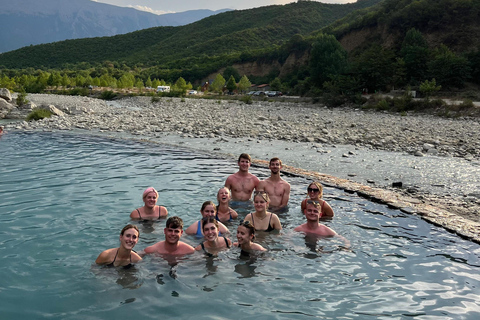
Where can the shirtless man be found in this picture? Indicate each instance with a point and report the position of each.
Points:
(312, 226)
(172, 244)
(278, 189)
(242, 183)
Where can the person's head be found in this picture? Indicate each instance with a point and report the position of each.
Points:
(261, 200)
(173, 229)
(245, 232)
(150, 196)
(275, 165)
(208, 209)
(224, 195)
(244, 161)
(315, 190)
(313, 210)
(1, 129)
(129, 235)
(210, 228)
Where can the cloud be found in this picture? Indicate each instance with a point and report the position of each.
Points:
(148, 9)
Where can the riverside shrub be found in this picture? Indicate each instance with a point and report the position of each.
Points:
(39, 114)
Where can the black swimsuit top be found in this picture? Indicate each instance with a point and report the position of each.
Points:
(112, 264)
(270, 228)
(208, 253)
(159, 211)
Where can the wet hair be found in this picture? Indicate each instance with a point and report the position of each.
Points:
(245, 156)
(208, 220)
(147, 191)
(314, 203)
(319, 186)
(208, 203)
(174, 223)
(275, 159)
(130, 226)
(262, 194)
(250, 228)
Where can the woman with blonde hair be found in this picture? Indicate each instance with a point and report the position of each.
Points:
(315, 193)
(261, 219)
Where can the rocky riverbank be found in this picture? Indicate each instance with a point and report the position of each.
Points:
(288, 126)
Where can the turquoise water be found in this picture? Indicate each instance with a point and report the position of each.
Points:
(64, 199)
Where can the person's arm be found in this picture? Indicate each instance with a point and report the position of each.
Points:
(276, 222)
(103, 258)
(192, 229)
(163, 211)
(233, 213)
(303, 205)
(286, 196)
(134, 214)
(228, 182)
(148, 250)
(256, 182)
(223, 229)
(327, 211)
(260, 186)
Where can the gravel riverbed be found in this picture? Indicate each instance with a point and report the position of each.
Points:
(436, 159)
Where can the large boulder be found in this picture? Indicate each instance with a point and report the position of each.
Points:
(22, 111)
(54, 110)
(5, 94)
(5, 108)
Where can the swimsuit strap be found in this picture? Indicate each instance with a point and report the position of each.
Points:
(253, 222)
(159, 211)
(116, 258)
(139, 214)
(226, 242)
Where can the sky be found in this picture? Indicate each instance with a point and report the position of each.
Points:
(170, 6)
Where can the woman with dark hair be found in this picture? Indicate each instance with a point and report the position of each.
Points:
(261, 219)
(124, 255)
(213, 243)
(208, 210)
(315, 193)
(245, 236)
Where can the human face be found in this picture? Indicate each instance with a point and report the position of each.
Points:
(244, 164)
(275, 166)
(313, 191)
(260, 203)
(208, 211)
(312, 213)
(210, 232)
(172, 235)
(223, 195)
(150, 199)
(129, 238)
(243, 236)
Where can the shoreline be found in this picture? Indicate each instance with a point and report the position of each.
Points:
(291, 131)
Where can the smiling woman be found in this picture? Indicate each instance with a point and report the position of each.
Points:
(122, 256)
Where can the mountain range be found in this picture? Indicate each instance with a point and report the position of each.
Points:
(31, 22)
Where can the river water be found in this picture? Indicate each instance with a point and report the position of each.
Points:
(65, 197)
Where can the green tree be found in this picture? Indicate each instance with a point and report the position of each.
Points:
(181, 86)
(415, 53)
(231, 84)
(231, 71)
(218, 84)
(375, 67)
(327, 59)
(428, 88)
(244, 84)
(276, 84)
(450, 69)
(148, 83)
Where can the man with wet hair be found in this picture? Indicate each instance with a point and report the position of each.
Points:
(278, 189)
(172, 244)
(242, 183)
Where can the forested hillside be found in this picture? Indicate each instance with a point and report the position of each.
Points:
(228, 33)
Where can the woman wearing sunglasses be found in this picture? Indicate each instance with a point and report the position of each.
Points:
(245, 236)
(261, 219)
(315, 193)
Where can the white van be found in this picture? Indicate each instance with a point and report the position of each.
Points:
(163, 89)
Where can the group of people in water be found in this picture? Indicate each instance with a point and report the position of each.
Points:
(273, 192)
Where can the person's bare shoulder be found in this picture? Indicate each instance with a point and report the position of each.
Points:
(134, 214)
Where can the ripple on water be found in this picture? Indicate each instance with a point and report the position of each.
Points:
(65, 198)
